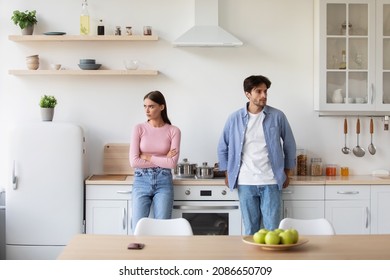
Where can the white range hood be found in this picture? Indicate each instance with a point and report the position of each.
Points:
(206, 32)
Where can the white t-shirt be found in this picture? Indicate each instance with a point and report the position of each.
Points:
(255, 165)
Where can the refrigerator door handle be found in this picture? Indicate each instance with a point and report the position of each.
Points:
(14, 178)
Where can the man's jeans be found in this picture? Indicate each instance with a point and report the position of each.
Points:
(260, 207)
(152, 186)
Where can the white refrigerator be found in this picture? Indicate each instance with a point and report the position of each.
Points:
(44, 200)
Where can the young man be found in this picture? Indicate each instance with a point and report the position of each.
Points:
(257, 149)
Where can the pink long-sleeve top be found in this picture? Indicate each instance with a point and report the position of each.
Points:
(154, 141)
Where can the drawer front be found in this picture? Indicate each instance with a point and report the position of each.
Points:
(306, 192)
(108, 192)
(349, 192)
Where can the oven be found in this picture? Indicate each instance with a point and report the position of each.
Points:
(211, 210)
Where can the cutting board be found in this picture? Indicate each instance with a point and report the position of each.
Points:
(116, 159)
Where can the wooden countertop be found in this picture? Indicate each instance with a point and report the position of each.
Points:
(295, 180)
(114, 247)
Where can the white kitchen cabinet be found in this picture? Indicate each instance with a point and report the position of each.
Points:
(108, 209)
(303, 202)
(352, 56)
(347, 207)
(380, 209)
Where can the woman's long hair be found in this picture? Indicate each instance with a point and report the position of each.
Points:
(158, 97)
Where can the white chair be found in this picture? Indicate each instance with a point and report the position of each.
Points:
(308, 227)
(149, 226)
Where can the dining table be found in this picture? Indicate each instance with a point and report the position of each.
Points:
(224, 247)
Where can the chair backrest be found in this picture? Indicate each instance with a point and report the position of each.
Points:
(308, 227)
(149, 226)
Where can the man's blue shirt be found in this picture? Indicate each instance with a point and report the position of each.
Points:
(278, 136)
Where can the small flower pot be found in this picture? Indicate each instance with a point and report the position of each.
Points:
(47, 114)
(28, 30)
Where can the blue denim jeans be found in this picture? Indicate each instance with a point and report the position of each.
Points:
(152, 186)
(260, 207)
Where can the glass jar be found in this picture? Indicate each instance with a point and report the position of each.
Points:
(331, 170)
(316, 167)
(344, 171)
(301, 163)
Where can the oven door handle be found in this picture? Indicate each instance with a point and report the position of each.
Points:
(187, 207)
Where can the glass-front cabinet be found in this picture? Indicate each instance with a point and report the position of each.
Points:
(383, 48)
(353, 56)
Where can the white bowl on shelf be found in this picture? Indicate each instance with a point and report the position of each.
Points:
(131, 64)
(55, 66)
(359, 100)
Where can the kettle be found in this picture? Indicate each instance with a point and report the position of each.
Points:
(337, 96)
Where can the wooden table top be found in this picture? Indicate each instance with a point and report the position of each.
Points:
(114, 247)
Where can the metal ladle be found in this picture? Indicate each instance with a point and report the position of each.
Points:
(371, 147)
(358, 151)
(345, 149)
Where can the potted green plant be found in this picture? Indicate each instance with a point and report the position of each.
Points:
(25, 20)
(47, 104)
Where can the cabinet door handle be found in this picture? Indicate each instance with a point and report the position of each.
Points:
(349, 192)
(124, 218)
(123, 192)
(366, 217)
(14, 177)
(286, 212)
(188, 207)
(287, 192)
(372, 94)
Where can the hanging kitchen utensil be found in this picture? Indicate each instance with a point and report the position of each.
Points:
(371, 147)
(358, 151)
(345, 149)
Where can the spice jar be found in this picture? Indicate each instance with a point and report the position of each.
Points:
(316, 167)
(344, 171)
(331, 170)
(301, 162)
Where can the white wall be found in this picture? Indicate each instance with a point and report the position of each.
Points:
(202, 85)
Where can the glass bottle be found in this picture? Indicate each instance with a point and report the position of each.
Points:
(84, 19)
(100, 28)
(316, 167)
(343, 63)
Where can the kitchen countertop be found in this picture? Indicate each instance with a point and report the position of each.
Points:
(295, 180)
(222, 247)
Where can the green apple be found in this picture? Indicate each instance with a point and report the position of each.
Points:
(259, 237)
(263, 230)
(295, 234)
(278, 230)
(272, 238)
(286, 237)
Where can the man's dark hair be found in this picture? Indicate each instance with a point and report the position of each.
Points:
(254, 81)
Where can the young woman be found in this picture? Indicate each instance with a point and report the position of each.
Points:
(154, 151)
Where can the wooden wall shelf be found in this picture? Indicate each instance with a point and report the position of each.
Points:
(83, 72)
(64, 38)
